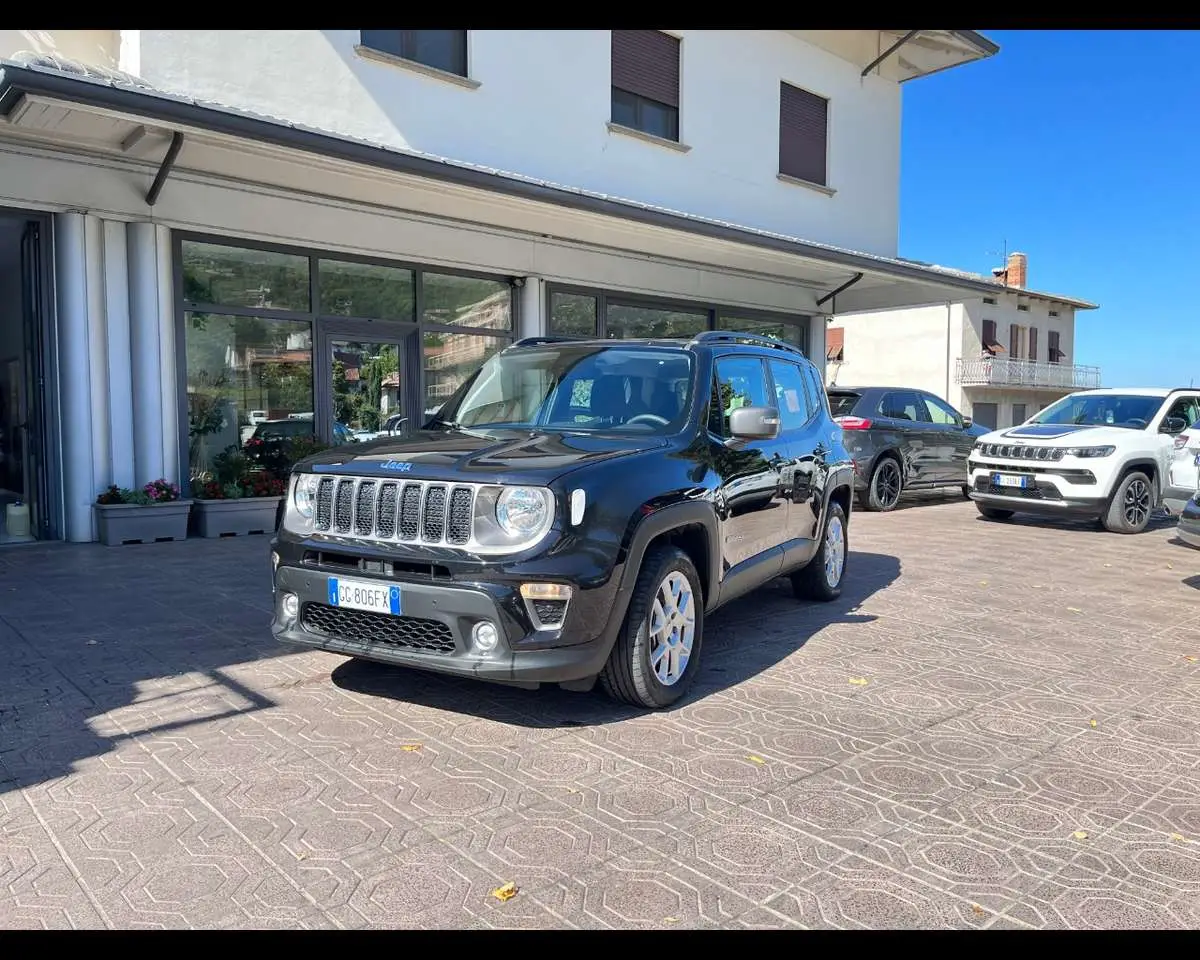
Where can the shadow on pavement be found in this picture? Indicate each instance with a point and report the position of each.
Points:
(750, 635)
(104, 644)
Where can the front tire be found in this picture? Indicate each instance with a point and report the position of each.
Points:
(1131, 504)
(657, 652)
(883, 490)
(822, 578)
(966, 491)
(993, 513)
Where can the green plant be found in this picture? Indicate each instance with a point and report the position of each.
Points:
(229, 466)
(124, 495)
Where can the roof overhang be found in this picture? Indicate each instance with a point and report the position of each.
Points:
(123, 118)
(902, 55)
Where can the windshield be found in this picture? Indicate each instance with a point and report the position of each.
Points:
(573, 386)
(841, 404)
(1101, 410)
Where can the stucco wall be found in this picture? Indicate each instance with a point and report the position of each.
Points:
(542, 105)
(1004, 311)
(97, 47)
(902, 348)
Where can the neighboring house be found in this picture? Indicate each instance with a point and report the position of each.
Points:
(998, 358)
(180, 203)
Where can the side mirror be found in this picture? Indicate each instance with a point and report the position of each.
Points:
(967, 423)
(754, 423)
(1174, 425)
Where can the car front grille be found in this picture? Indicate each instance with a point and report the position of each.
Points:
(361, 626)
(410, 511)
(1042, 491)
(1021, 451)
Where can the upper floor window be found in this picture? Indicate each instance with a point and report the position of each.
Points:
(441, 49)
(645, 82)
(803, 135)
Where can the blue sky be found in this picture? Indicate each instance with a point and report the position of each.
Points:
(1080, 149)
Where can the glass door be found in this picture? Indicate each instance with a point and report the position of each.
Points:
(365, 382)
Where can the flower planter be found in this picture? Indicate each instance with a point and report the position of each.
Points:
(236, 518)
(142, 523)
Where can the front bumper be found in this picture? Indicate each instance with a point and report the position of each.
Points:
(1056, 489)
(1188, 530)
(434, 630)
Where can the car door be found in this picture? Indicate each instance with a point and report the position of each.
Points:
(804, 476)
(751, 499)
(1183, 408)
(955, 443)
(908, 420)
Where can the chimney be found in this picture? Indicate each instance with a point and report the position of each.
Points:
(1016, 270)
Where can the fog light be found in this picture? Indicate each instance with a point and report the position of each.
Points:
(485, 635)
(291, 605)
(546, 591)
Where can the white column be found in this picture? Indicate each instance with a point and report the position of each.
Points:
(817, 325)
(145, 340)
(120, 374)
(71, 288)
(531, 308)
(97, 346)
(168, 352)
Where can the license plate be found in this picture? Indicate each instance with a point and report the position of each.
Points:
(1010, 480)
(364, 595)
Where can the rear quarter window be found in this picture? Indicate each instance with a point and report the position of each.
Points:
(843, 404)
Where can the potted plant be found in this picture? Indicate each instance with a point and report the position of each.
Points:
(153, 513)
(236, 499)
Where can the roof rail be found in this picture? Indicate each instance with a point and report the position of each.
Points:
(534, 341)
(732, 336)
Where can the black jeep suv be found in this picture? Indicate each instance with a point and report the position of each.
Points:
(574, 512)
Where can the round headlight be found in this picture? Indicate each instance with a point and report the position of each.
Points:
(305, 494)
(520, 511)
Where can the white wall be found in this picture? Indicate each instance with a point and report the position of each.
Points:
(542, 105)
(902, 348)
(1005, 313)
(96, 47)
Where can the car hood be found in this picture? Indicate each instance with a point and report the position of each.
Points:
(1055, 434)
(507, 456)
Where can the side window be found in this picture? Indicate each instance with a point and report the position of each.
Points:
(940, 412)
(820, 397)
(740, 382)
(903, 405)
(791, 397)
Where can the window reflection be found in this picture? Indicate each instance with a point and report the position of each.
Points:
(573, 314)
(244, 277)
(793, 333)
(626, 322)
(245, 376)
(450, 300)
(449, 358)
(366, 290)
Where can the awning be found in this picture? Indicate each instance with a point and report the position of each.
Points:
(54, 101)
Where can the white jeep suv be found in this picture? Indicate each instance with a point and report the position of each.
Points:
(1104, 454)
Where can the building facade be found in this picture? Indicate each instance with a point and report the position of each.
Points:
(998, 358)
(203, 233)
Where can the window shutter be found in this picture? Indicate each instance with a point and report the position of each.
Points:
(646, 63)
(1052, 346)
(834, 342)
(1014, 341)
(989, 333)
(1033, 343)
(803, 134)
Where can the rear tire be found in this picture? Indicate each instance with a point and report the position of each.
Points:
(992, 513)
(657, 653)
(821, 579)
(884, 488)
(1131, 504)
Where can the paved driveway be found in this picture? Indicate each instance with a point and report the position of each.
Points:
(998, 725)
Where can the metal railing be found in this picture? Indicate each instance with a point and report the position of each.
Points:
(1004, 371)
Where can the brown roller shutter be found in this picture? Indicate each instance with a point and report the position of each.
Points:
(834, 343)
(1014, 341)
(803, 134)
(1052, 347)
(989, 335)
(646, 63)
(1033, 343)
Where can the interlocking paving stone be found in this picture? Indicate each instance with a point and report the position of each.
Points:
(1024, 753)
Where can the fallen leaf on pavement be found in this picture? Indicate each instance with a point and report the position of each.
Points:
(410, 747)
(1170, 567)
(983, 583)
(670, 919)
(572, 790)
(859, 681)
(1093, 723)
(1179, 837)
(1074, 610)
(1080, 835)
(506, 892)
(1108, 564)
(753, 759)
(1190, 659)
(302, 855)
(977, 910)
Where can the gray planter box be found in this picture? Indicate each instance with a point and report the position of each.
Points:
(236, 518)
(137, 523)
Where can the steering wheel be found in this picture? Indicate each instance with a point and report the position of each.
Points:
(652, 417)
(1138, 421)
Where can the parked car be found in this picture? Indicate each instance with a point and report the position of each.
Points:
(902, 439)
(1104, 454)
(573, 513)
(1188, 530)
(256, 417)
(1183, 475)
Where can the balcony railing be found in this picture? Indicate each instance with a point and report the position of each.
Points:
(1003, 371)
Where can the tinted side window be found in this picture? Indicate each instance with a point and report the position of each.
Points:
(740, 382)
(820, 397)
(791, 396)
(903, 405)
(940, 412)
